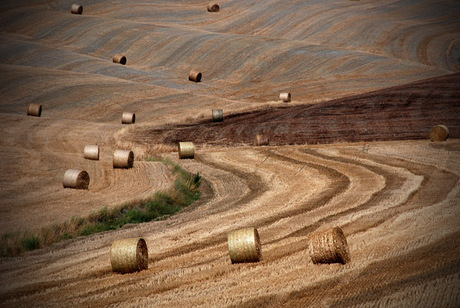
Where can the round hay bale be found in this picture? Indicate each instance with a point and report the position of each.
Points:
(439, 133)
(123, 159)
(285, 97)
(34, 110)
(213, 7)
(329, 246)
(76, 9)
(194, 76)
(74, 178)
(262, 140)
(244, 245)
(186, 150)
(91, 152)
(119, 59)
(128, 118)
(129, 255)
(217, 115)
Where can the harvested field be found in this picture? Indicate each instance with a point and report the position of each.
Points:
(369, 79)
(396, 203)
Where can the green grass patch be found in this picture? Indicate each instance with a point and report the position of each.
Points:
(184, 191)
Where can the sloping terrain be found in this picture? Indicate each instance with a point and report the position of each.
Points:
(398, 113)
(397, 204)
(367, 78)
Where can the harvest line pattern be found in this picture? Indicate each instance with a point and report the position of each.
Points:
(398, 196)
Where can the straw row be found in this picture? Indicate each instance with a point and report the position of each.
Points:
(329, 246)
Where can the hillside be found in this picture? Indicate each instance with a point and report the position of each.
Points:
(368, 80)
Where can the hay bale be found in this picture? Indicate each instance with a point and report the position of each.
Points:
(119, 59)
(91, 152)
(194, 76)
(285, 97)
(439, 133)
(34, 110)
(76, 9)
(128, 118)
(123, 159)
(329, 246)
(262, 140)
(217, 115)
(74, 178)
(244, 245)
(213, 7)
(129, 255)
(186, 150)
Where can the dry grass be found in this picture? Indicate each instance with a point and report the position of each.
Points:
(329, 246)
(76, 9)
(213, 7)
(91, 152)
(120, 59)
(75, 178)
(244, 245)
(439, 133)
(34, 110)
(186, 150)
(123, 159)
(129, 255)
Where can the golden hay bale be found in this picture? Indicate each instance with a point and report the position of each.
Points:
(217, 115)
(129, 255)
(213, 7)
(285, 97)
(128, 118)
(244, 245)
(119, 59)
(186, 150)
(194, 76)
(76, 9)
(439, 133)
(34, 110)
(329, 246)
(123, 159)
(91, 152)
(74, 178)
(262, 140)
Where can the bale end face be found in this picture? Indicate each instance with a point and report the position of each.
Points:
(119, 59)
(439, 133)
(34, 110)
(244, 245)
(262, 140)
(194, 76)
(128, 118)
(217, 115)
(285, 97)
(77, 179)
(76, 9)
(129, 255)
(213, 8)
(329, 246)
(123, 159)
(186, 150)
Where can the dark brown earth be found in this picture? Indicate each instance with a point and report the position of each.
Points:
(397, 113)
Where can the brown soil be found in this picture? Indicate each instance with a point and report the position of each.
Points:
(399, 113)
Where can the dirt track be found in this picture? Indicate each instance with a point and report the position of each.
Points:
(397, 200)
